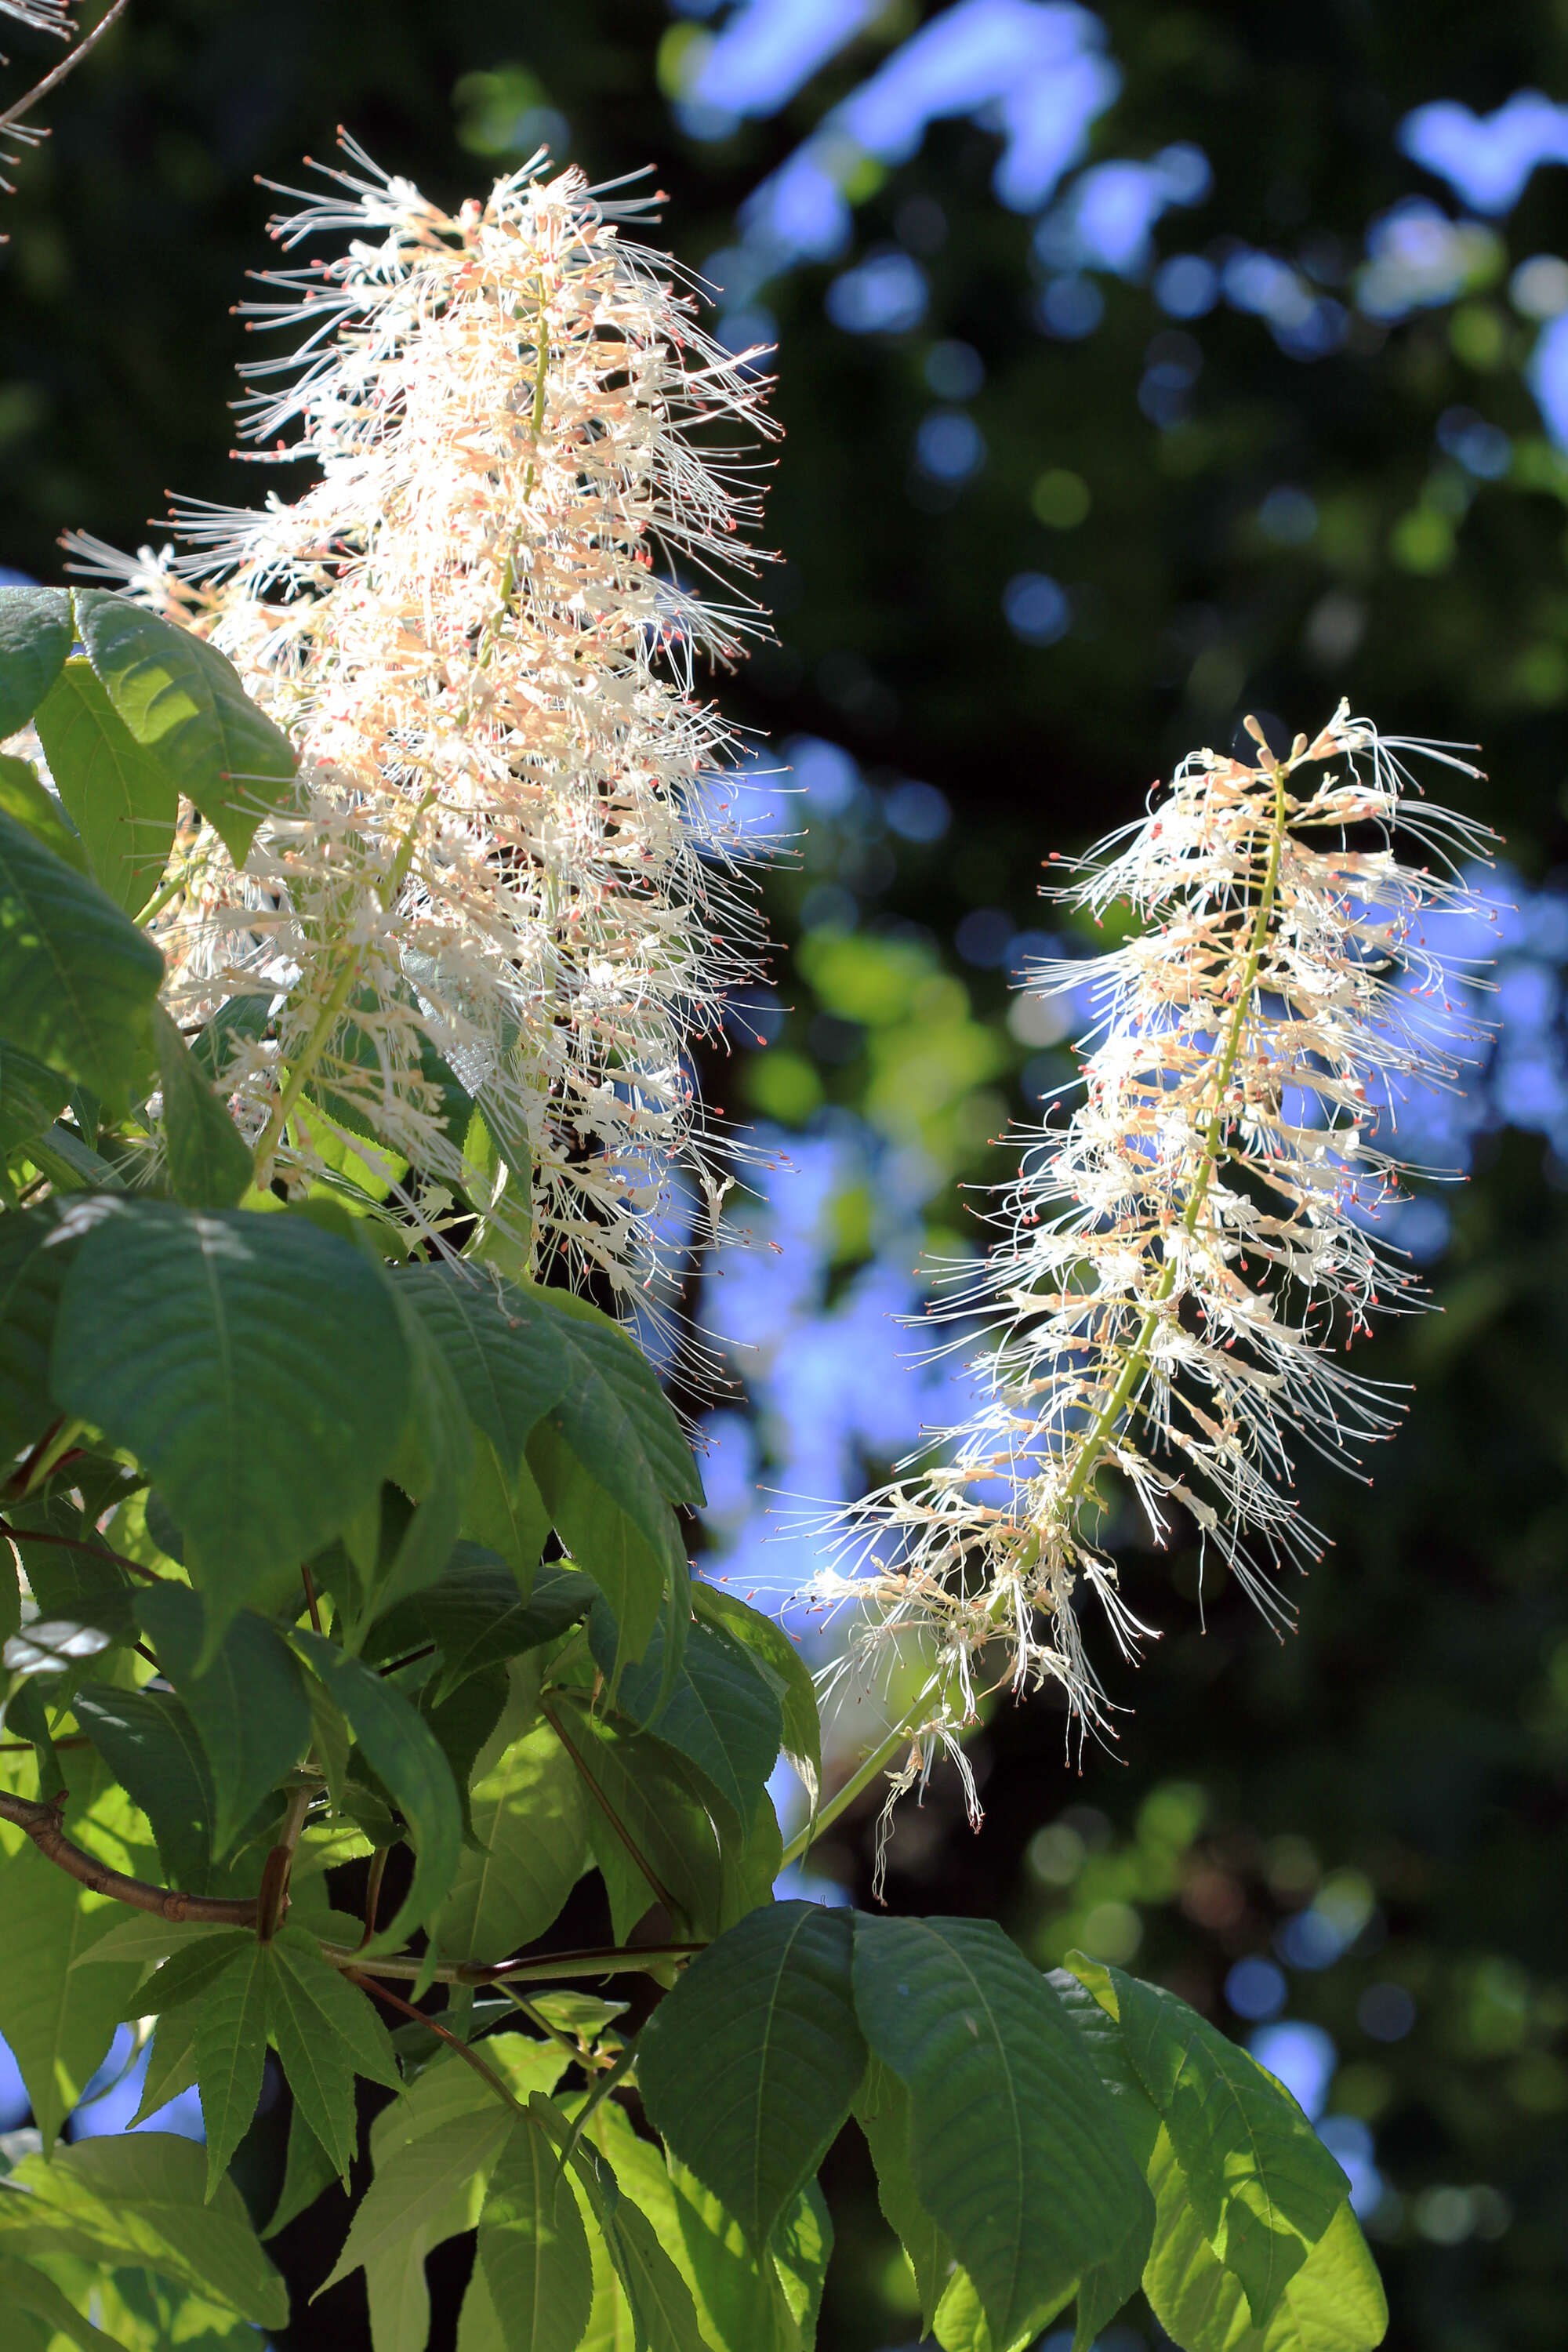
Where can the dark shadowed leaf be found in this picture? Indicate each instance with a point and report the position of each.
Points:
(150, 1744)
(30, 1279)
(209, 1161)
(641, 1804)
(77, 978)
(747, 2068)
(720, 1713)
(36, 634)
(248, 1706)
(475, 1617)
(771, 1645)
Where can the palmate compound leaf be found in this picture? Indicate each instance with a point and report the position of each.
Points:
(248, 1706)
(181, 699)
(208, 1159)
(77, 978)
(36, 633)
(1015, 2150)
(266, 1389)
(719, 1713)
(432, 2170)
(772, 1647)
(140, 2202)
(749, 2067)
(229, 2045)
(325, 2031)
(664, 2318)
(406, 1757)
(1264, 2188)
(531, 1818)
(121, 800)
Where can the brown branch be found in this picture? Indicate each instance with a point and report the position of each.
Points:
(395, 2000)
(42, 1823)
(25, 105)
(310, 1601)
(75, 1543)
(607, 1961)
(26, 1747)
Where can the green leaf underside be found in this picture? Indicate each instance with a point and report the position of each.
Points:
(406, 1757)
(141, 2200)
(632, 1783)
(264, 1392)
(532, 2248)
(248, 1706)
(324, 2031)
(77, 978)
(1015, 2148)
(179, 697)
(531, 1817)
(663, 2315)
(1264, 2189)
(120, 799)
(36, 634)
(209, 1164)
(720, 1713)
(747, 2068)
(58, 2019)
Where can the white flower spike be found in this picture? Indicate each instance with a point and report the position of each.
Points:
(1176, 1267)
(477, 628)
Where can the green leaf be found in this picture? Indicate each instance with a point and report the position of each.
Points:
(1263, 2186)
(36, 635)
(248, 1707)
(171, 2063)
(1105, 2287)
(264, 1392)
(58, 2019)
(325, 2031)
(24, 795)
(209, 1162)
(507, 1515)
(474, 1614)
(463, 1723)
(633, 1575)
(192, 1969)
(141, 2200)
(768, 2014)
(614, 1411)
(776, 1654)
(434, 1464)
(30, 1277)
(531, 1817)
(1333, 2302)
(406, 1756)
(504, 1352)
(179, 696)
(150, 1744)
(532, 2248)
(77, 978)
(662, 2306)
(1015, 2148)
(25, 2288)
(749, 1864)
(719, 1713)
(121, 800)
(230, 2035)
(882, 2112)
(640, 1804)
(801, 2248)
(419, 2184)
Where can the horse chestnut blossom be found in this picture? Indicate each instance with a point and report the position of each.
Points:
(1177, 1265)
(513, 856)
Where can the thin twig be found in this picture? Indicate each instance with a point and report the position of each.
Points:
(661, 1892)
(25, 105)
(544, 1969)
(395, 2000)
(75, 1543)
(42, 1824)
(310, 1602)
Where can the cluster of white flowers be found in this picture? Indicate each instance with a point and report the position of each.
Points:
(512, 846)
(1178, 1266)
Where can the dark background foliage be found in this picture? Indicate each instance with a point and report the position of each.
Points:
(1404, 1755)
